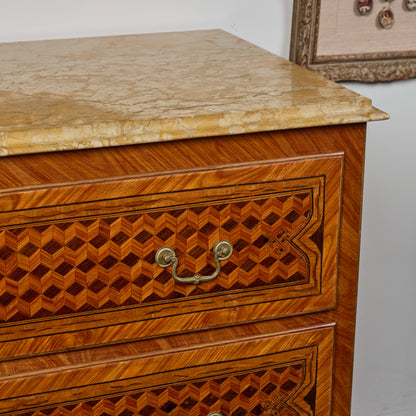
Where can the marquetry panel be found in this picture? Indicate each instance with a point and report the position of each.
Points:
(66, 267)
(252, 393)
(32, 185)
(286, 373)
(81, 256)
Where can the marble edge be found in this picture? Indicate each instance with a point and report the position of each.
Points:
(161, 130)
(378, 115)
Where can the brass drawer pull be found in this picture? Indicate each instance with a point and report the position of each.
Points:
(215, 414)
(166, 256)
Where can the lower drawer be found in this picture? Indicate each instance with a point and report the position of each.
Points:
(239, 371)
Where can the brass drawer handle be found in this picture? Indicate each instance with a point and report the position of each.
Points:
(215, 414)
(166, 256)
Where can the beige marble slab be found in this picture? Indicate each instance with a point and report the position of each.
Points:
(95, 92)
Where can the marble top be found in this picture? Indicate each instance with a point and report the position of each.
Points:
(108, 91)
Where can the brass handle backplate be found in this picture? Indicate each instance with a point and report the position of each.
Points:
(166, 256)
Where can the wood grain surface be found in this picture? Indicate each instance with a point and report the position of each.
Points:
(293, 368)
(276, 223)
(281, 216)
(35, 183)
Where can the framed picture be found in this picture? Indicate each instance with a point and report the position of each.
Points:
(368, 41)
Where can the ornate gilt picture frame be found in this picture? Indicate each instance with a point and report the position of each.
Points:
(333, 39)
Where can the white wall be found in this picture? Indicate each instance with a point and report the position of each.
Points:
(261, 21)
(385, 366)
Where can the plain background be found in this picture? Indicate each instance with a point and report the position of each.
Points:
(385, 363)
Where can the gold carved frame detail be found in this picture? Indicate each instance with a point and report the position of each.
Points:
(368, 66)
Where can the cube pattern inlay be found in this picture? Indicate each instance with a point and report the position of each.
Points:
(254, 393)
(66, 267)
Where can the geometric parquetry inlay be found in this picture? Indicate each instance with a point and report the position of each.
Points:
(66, 267)
(254, 393)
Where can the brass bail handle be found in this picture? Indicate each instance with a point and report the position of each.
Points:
(166, 256)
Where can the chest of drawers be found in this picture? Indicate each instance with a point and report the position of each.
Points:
(179, 229)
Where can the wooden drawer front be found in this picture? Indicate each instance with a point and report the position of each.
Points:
(77, 257)
(107, 262)
(277, 374)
